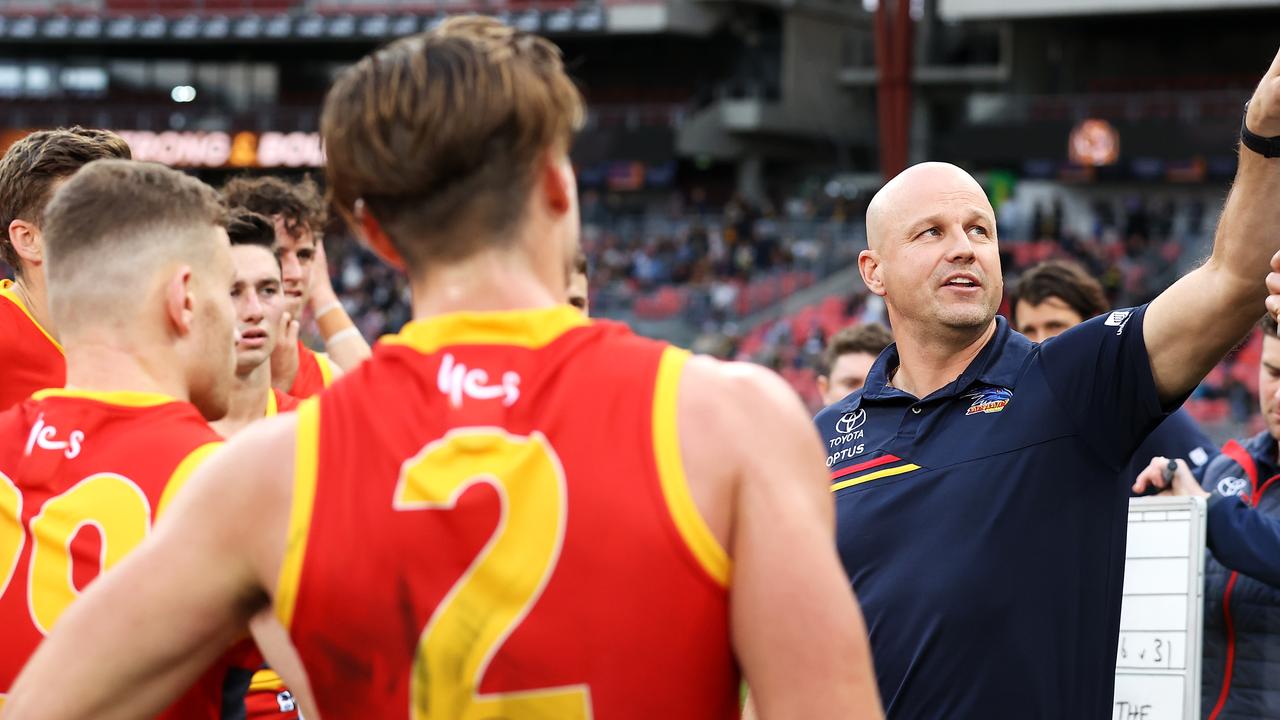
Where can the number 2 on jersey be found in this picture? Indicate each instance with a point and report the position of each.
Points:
(501, 585)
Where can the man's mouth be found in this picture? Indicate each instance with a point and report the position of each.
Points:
(253, 337)
(962, 280)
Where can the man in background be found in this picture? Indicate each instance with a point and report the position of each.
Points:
(30, 171)
(1055, 296)
(297, 211)
(848, 358)
(1239, 678)
(260, 313)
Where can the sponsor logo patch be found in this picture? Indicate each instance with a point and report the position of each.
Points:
(1117, 318)
(1230, 487)
(988, 400)
(851, 421)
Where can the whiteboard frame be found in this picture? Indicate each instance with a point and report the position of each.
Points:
(1196, 539)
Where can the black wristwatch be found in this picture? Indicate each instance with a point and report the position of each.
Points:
(1268, 147)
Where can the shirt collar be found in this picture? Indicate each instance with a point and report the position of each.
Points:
(998, 364)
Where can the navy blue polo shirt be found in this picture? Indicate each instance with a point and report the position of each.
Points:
(983, 527)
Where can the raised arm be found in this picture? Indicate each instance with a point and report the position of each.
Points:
(796, 627)
(146, 630)
(1196, 321)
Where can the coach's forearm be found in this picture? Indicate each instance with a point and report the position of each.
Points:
(1246, 237)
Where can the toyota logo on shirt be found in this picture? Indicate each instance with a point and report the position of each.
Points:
(851, 421)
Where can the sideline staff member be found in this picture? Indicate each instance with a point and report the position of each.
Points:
(848, 358)
(1057, 295)
(980, 515)
(1242, 571)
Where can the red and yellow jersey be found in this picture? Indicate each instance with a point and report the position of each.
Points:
(314, 373)
(279, 402)
(82, 477)
(262, 693)
(253, 691)
(491, 519)
(268, 698)
(33, 360)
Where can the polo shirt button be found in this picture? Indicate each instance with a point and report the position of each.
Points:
(915, 410)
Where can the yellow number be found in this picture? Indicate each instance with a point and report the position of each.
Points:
(12, 537)
(503, 582)
(113, 504)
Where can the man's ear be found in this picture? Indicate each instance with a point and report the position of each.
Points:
(871, 270)
(557, 183)
(27, 241)
(823, 385)
(179, 301)
(375, 237)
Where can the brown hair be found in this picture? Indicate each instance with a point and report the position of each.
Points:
(107, 209)
(1268, 325)
(299, 204)
(439, 134)
(32, 165)
(869, 338)
(245, 227)
(1061, 279)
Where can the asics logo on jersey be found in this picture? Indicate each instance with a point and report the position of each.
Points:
(457, 380)
(42, 436)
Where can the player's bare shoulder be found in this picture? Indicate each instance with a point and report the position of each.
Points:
(738, 395)
(740, 413)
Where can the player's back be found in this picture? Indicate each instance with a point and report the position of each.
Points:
(33, 359)
(491, 520)
(82, 476)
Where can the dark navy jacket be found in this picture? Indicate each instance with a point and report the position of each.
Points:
(1177, 437)
(983, 527)
(1241, 669)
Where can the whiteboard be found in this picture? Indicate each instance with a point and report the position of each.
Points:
(1158, 658)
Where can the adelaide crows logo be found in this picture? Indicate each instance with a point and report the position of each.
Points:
(988, 400)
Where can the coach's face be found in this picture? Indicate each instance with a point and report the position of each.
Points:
(932, 249)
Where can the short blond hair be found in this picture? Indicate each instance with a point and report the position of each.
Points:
(113, 217)
(439, 134)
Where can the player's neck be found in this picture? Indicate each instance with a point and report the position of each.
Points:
(927, 362)
(115, 365)
(248, 401)
(487, 281)
(30, 289)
